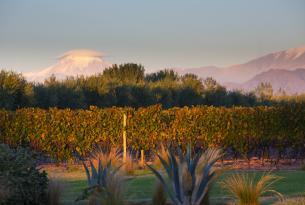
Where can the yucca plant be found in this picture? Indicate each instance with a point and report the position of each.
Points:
(247, 189)
(190, 176)
(105, 184)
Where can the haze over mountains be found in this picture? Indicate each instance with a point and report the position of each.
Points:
(285, 70)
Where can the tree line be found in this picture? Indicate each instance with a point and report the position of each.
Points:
(124, 85)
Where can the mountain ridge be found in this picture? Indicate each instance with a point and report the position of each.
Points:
(291, 82)
(289, 59)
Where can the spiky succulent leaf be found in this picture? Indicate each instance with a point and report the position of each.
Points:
(165, 165)
(176, 177)
(87, 173)
(187, 188)
(93, 170)
(164, 184)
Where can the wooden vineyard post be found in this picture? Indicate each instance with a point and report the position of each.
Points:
(142, 158)
(124, 138)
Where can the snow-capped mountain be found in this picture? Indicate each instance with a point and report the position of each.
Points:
(72, 63)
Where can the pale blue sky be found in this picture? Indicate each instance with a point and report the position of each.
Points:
(156, 33)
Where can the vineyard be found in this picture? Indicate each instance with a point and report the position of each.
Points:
(241, 131)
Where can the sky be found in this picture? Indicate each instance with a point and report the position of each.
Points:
(157, 34)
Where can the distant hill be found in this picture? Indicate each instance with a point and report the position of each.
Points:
(283, 69)
(292, 82)
(290, 59)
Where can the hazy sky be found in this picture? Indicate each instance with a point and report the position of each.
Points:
(155, 33)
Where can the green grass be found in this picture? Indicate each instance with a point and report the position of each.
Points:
(141, 186)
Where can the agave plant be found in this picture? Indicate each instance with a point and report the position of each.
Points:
(190, 176)
(105, 184)
(246, 189)
(163, 152)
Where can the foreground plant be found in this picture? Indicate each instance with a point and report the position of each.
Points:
(21, 180)
(105, 184)
(4, 192)
(114, 154)
(247, 190)
(292, 201)
(190, 176)
(162, 152)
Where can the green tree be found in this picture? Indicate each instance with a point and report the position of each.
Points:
(161, 75)
(15, 91)
(125, 73)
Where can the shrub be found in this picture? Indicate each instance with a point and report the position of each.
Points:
(19, 174)
(292, 201)
(191, 177)
(247, 190)
(4, 192)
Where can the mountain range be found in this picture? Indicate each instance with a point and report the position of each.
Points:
(285, 70)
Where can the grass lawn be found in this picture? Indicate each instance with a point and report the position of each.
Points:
(141, 187)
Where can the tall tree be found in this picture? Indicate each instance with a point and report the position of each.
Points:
(125, 73)
(15, 92)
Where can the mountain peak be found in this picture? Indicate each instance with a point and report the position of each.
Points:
(287, 60)
(295, 52)
(72, 63)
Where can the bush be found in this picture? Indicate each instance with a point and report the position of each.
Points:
(113, 154)
(292, 201)
(19, 174)
(4, 192)
(247, 190)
